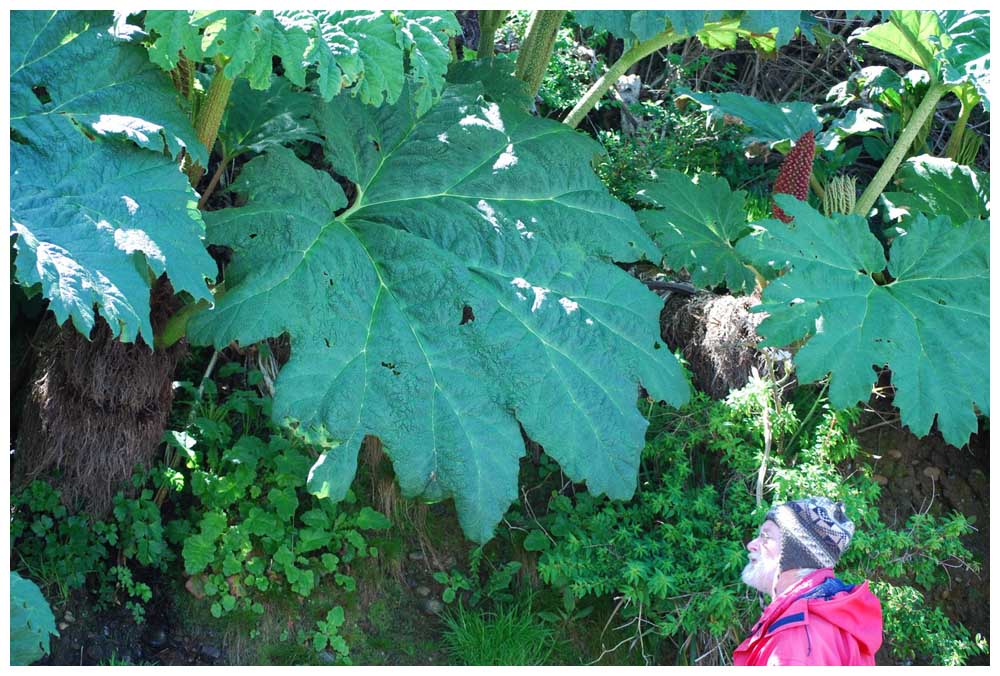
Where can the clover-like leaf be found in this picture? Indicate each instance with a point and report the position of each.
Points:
(468, 291)
(930, 324)
(697, 226)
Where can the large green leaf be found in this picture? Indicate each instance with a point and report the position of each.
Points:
(638, 25)
(496, 74)
(364, 49)
(771, 123)
(937, 186)
(468, 291)
(257, 120)
(952, 45)
(68, 65)
(697, 226)
(31, 622)
(930, 324)
(97, 220)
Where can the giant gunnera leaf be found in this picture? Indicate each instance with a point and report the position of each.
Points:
(467, 292)
(369, 50)
(697, 225)
(929, 324)
(97, 219)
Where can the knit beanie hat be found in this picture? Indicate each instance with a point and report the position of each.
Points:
(814, 532)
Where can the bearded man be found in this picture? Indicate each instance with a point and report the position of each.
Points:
(813, 618)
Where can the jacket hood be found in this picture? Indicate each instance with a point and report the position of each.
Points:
(852, 608)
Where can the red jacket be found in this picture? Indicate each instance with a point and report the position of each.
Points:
(817, 621)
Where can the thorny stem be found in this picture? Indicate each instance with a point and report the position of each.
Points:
(888, 169)
(636, 53)
(536, 50)
(206, 125)
(489, 21)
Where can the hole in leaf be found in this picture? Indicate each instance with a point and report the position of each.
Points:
(940, 301)
(656, 346)
(392, 367)
(467, 315)
(17, 137)
(327, 341)
(253, 235)
(42, 94)
(378, 148)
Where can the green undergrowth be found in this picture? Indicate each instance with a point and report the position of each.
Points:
(569, 579)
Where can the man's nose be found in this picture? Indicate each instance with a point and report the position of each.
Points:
(753, 545)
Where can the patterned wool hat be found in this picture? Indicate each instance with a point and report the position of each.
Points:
(814, 532)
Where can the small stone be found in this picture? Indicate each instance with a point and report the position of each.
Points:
(431, 606)
(880, 480)
(69, 617)
(423, 591)
(211, 652)
(416, 556)
(933, 473)
(63, 626)
(156, 637)
(895, 454)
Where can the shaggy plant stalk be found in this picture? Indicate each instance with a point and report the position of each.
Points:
(536, 50)
(489, 21)
(635, 54)
(899, 150)
(206, 125)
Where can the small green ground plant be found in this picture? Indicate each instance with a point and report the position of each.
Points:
(250, 528)
(66, 551)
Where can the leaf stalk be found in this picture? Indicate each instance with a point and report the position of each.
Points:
(898, 153)
(206, 125)
(536, 50)
(489, 21)
(633, 55)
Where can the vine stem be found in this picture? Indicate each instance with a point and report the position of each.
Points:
(899, 150)
(634, 54)
(536, 50)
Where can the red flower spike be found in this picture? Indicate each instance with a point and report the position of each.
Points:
(793, 177)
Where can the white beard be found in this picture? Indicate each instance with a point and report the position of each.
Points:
(761, 574)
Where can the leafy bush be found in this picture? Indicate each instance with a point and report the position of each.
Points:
(506, 636)
(31, 622)
(251, 528)
(668, 139)
(65, 551)
(672, 555)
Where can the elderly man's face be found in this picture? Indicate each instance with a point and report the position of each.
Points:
(765, 556)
